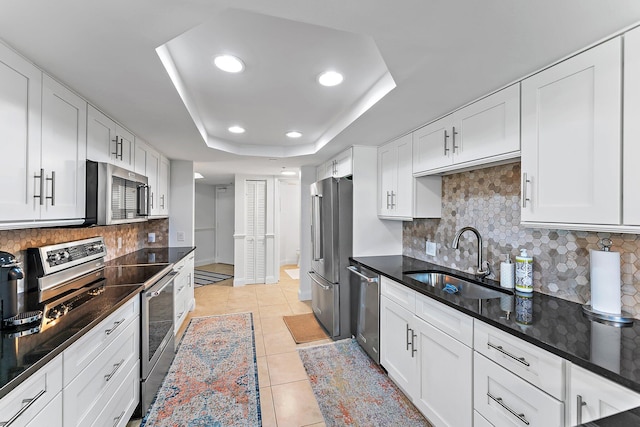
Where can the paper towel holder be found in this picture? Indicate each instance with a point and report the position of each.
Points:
(620, 320)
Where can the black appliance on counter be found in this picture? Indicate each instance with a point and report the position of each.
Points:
(10, 273)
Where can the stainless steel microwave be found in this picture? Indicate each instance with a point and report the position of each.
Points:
(115, 195)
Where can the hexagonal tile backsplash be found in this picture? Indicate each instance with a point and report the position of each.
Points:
(488, 199)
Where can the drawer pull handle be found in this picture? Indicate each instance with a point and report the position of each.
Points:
(503, 351)
(27, 404)
(499, 401)
(180, 314)
(180, 289)
(117, 419)
(113, 372)
(580, 404)
(115, 326)
(414, 350)
(408, 340)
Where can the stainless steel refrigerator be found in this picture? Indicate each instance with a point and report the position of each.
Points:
(331, 242)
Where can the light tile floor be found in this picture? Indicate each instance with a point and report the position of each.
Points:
(286, 397)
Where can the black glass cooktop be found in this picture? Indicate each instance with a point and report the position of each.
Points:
(135, 274)
(147, 256)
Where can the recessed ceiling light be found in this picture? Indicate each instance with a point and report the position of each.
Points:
(236, 129)
(293, 134)
(228, 63)
(197, 175)
(330, 78)
(288, 173)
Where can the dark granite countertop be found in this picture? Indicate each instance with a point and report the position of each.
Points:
(22, 356)
(163, 255)
(554, 324)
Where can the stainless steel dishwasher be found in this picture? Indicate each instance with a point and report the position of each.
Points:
(365, 298)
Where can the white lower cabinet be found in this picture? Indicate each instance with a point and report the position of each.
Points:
(28, 403)
(117, 411)
(432, 367)
(50, 416)
(592, 397)
(480, 421)
(183, 288)
(505, 399)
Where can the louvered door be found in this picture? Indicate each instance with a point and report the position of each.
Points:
(256, 192)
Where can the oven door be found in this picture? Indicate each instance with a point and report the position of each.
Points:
(157, 321)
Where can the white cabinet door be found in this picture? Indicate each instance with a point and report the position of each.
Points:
(432, 146)
(631, 129)
(140, 157)
(109, 142)
(101, 135)
(344, 164)
(64, 155)
(446, 372)
(20, 129)
(50, 416)
(571, 139)
(396, 353)
(404, 188)
(164, 175)
(592, 397)
(487, 128)
(153, 168)
(387, 169)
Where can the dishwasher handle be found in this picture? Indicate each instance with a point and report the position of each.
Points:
(354, 270)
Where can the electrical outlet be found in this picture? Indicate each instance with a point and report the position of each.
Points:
(119, 242)
(431, 248)
(180, 236)
(152, 237)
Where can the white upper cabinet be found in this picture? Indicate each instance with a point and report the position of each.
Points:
(400, 195)
(20, 124)
(108, 141)
(631, 129)
(571, 140)
(164, 176)
(64, 145)
(483, 132)
(338, 167)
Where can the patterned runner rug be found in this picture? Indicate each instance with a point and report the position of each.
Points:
(213, 380)
(352, 390)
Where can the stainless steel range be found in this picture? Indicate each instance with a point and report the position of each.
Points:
(61, 276)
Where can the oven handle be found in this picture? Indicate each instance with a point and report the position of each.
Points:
(156, 289)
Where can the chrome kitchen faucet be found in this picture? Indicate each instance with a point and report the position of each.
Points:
(482, 271)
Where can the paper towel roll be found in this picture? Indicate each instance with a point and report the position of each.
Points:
(605, 281)
(507, 274)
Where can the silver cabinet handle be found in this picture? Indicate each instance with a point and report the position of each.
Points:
(180, 314)
(119, 144)
(114, 327)
(41, 195)
(117, 419)
(499, 401)
(408, 341)
(53, 188)
(525, 182)
(446, 149)
(354, 270)
(180, 289)
(113, 371)
(393, 199)
(27, 404)
(162, 201)
(414, 350)
(453, 139)
(506, 353)
(579, 404)
(152, 200)
(388, 204)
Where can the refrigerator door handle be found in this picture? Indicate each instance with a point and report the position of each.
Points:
(316, 228)
(323, 286)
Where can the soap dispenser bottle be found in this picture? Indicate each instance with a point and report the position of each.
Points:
(524, 272)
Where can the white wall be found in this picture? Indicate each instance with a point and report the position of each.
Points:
(205, 224)
(182, 204)
(289, 223)
(307, 177)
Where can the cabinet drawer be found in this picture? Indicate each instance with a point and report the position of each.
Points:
(541, 368)
(480, 421)
(31, 397)
(450, 321)
(96, 340)
(507, 400)
(119, 409)
(398, 293)
(96, 384)
(50, 416)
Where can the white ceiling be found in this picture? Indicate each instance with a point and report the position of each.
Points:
(441, 54)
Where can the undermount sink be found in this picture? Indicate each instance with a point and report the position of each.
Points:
(454, 285)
